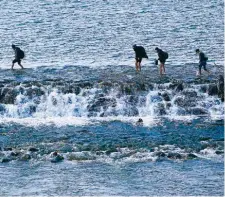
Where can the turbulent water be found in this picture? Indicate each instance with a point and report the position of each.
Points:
(69, 121)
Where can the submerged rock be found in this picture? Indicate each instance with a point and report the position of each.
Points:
(160, 109)
(32, 149)
(14, 154)
(191, 156)
(219, 152)
(213, 90)
(56, 157)
(190, 93)
(165, 96)
(5, 160)
(198, 111)
(160, 154)
(25, 157)
(203, 89)
(139, 122)
(2, 109)
(174, 156)
(8, 149)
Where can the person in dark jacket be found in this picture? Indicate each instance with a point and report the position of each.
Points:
(139, 54)
(19, 55)
(202, 61)
(162, 56)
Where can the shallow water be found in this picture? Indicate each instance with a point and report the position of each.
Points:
(163, 178)
(115, 158)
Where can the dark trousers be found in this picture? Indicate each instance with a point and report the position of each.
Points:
(202, 64)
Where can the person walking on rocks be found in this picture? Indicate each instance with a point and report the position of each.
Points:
(162, 57)
(19, 55)
(139, 54)
(202, 61)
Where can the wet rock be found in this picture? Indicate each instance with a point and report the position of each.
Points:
(204, 138)
(220, 87)
(77, 90)
(190, 93)
(203, 89)
(111, 150)
(14, 154)
(8, 149)
(85, 85)
(160, 154)
(174, 156)
(141, 87)
(219, 152)
(179, 87)
(25, 157)
(54, 101)
(80, 156)
(127, 90)
(133, 111)
(10, 96)
(165, 96)
(160, 109)
(33, 149)
(99, 153)
(197, 111)
(191, 156)
(213, 90)
(185, 102)
(37, 100)
(58, 158)
(101, 102)
(132, 99)
(168, 105)
(32, 109)
(139, 122)
(5, 160)
(2, 109)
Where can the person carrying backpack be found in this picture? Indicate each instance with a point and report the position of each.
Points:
(139, 54)
(162, 57)
(19, 55)
(202, 61)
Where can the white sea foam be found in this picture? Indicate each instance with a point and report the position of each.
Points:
(95, 105)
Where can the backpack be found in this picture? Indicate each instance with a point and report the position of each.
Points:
(206, 58)
(166, 55)
(143, 53)
(20, 54)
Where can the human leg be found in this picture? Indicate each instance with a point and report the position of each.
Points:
(205, 69)
(19, 62)
(136, 65)
(13, 62)
(160, 68)
(163, 67)
(199, 69)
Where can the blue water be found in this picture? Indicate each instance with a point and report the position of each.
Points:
(81, 97)
(102, 33)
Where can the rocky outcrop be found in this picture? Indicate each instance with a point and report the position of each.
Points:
(220, 87)
(213, 90)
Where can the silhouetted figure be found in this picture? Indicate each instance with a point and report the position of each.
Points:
(202, 61)
(19, 55)
(139, 54)
(162, 57)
